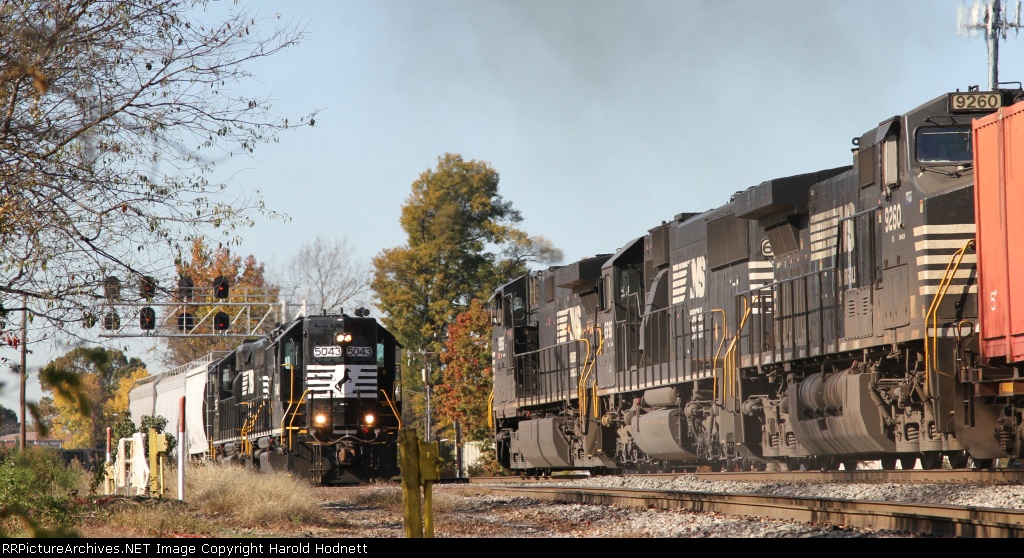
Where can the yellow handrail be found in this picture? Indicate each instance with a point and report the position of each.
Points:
(490, 405)
(581, 391)
(931, 317)
(393, 410)
(289, 410)
(714, 362)
(600, 350)
(729, 366)
(247, 425)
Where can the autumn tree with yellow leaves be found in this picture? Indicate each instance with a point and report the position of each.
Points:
(86, 391)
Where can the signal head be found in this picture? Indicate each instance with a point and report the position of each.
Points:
(147, 287)
(220, 287)
(221, 321)
(147, 318)
(185, 285)
(111, 320)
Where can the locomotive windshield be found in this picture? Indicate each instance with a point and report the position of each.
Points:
(944, 144)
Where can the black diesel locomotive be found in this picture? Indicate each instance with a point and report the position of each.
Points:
(315, 397)
(815, 321)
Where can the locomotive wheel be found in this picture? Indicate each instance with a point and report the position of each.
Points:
(716, 466)
(888, 463)
(827, 463)
(957, 459)
(907, 463)
(849, 465)
(745, 465)
(931, 460)
(983, 463)
(760, 466)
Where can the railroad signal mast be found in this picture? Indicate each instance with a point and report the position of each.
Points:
(989, 18)
(191, 311)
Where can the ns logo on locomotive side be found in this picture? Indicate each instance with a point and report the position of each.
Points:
(315, 397)
(816, 320)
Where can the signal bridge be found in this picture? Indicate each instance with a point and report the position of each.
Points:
(193, 312)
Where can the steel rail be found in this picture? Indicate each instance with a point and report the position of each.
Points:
(936, 520)
(877, 476)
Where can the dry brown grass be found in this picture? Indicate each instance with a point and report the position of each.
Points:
(251, 497)
(380, 496)
(219, 500)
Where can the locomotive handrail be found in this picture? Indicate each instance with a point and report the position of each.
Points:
(729, 365)
(585, 377)
(289, 410)
(714, 361)
(931, 318)
(581, 390)
(490, 407)
(250, 421)
(600, 350)
(393, 410)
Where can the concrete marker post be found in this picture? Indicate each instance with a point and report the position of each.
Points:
(181, 450)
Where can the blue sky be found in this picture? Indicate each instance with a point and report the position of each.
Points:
(603, 118)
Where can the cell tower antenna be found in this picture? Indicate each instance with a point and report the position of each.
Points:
(991, 19)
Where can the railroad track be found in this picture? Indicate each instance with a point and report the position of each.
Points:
(937, 520)
(960, 476)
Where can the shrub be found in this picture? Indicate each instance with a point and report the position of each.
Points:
(35, 492)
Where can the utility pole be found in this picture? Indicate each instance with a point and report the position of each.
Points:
(993, 22)
(22, 433)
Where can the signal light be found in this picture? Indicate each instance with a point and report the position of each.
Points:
(111, 320)
(221, 321)
(186, 322)
(147, 288)
(147, 318)
(185, 285)
(112, 288)
(220, 287)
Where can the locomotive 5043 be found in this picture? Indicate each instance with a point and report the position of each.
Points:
(315, 397)
(816, 320)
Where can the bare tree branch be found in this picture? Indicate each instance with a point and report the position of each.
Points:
(93, 95)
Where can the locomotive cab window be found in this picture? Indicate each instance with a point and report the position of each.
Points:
(629, 284)
(944, 144)
(518, 308)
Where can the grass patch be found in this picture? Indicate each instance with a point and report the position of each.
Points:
(251, 497)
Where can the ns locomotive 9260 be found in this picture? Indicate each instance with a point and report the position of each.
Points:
(816, 321)
(315, 397)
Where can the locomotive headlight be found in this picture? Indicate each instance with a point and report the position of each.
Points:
(369, 418)
(342, 337)
(320, 419)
